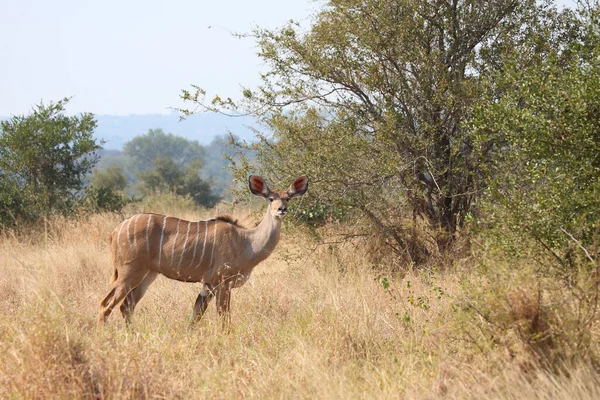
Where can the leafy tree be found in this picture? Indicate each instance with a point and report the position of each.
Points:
(143, 150)
(97, 199)
(197, 188)
(167, 176)
(106, 190)
(110, 178)
(371, 102)
(220, 155)
(12, 201)
(540, 125)
(115, 158)
(45, 156)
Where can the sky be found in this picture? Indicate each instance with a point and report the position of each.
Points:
(129, 56)
(124, 57)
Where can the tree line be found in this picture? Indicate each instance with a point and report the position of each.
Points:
(161, 162)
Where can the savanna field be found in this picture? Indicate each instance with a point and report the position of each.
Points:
(315, 320)
(447, 246)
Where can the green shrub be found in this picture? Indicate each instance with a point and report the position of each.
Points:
(541, 212)
(168, 177)
(111, 178)
(104, 199)
(316, 214)
(44, 159)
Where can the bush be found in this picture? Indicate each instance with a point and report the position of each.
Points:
(542, 206)
(44, 159)
(516, 304)
(111, 178)
(168, 177)
(104, 199)
(317, 214)
(12, 200)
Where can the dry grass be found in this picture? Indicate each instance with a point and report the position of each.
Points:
(312, 322)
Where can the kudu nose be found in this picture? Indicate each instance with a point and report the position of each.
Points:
(282, 209)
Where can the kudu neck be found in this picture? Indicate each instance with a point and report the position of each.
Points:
(266, 234)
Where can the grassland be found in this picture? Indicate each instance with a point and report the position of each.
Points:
(314, 321)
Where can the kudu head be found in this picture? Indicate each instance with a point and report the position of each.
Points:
(278, 198)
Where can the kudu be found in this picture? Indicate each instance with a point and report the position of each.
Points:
(216, 252)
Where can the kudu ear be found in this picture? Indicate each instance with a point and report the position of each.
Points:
(298, 187)
(258, 186)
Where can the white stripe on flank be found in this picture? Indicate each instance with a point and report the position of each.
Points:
(129, 237)
(147, 229)
(134, 234)
(203, 246)
(162, 235)
(196, 245)
(184, 243)
(174, 242)
(212, 254)
(119, 235)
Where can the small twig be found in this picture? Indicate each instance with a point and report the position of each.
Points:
(556, 256)
(587, 254)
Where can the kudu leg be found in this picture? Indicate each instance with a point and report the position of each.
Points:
(127, 279)
(201, 304)
(223, 302)
(133, 298)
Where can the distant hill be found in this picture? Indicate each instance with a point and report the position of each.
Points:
(116, 130)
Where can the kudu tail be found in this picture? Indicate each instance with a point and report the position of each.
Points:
(115, 275)
(109, 296)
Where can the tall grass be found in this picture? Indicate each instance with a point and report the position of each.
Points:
(312, 322)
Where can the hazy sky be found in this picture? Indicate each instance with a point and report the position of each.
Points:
(131, 56)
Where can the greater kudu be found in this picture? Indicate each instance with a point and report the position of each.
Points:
(217, 252)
